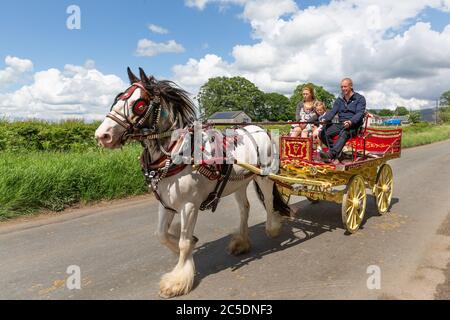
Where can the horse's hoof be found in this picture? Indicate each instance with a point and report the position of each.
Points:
(171, 291)
(273, 233)
(177, 283)
(238, 245)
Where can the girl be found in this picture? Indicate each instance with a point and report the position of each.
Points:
(305, 113)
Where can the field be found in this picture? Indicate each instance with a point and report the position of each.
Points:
(53, 166)
(422, 133)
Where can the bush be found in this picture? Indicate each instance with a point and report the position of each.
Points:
(44, 136)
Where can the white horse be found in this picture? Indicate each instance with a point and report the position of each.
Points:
(150, 111)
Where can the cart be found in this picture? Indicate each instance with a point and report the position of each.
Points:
(303, 173)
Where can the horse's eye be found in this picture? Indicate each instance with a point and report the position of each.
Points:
(139, 107)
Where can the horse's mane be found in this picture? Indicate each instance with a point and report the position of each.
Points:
(176, 97)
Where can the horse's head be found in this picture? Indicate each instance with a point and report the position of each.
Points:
(147, 107)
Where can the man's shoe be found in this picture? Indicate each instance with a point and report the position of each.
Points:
(326, 156)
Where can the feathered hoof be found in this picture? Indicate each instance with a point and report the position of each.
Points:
(176, 283)
(238, 245)
(273, 233)
(273, 229)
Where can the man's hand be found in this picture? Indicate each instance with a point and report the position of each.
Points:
(347, 124)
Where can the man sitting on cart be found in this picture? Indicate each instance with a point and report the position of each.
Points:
(350, 107)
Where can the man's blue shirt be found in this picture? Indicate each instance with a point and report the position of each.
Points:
(352, 110)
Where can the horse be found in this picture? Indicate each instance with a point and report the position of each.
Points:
(151, 111)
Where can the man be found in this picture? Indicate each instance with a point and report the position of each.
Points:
(350, 107)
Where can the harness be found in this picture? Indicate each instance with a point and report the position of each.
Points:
(157, 170)
(144, 111)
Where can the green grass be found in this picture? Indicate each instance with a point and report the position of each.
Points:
(421, 134)
(30, 181)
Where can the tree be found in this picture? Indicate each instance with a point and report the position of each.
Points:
(320, 93)
(277, 107)
(444, 114)
(231, 94)
(401, 111)
(444, 101)
(415, 117)
(385, 113)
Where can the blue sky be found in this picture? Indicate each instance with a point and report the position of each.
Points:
(37, 30)
(219, 40)
(110, 31)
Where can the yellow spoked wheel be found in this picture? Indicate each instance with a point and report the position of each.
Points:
(354, 204)
(383, 188)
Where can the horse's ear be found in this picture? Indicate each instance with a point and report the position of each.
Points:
(131, 76)
(144, 77)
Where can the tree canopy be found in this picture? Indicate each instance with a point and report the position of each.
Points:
(320, 93)
(415, 117)
(444, 101)
(231, 94)
(385, 113)
(401, 111)
(277, 107)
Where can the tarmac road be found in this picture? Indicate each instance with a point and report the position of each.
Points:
(120, 258)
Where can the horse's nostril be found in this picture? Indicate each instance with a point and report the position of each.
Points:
(105, 137)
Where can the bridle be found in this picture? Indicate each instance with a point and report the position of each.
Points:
(144, 111)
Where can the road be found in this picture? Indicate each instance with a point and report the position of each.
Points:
(120, 258)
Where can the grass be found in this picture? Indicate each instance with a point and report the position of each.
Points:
(421, 134)
(30, 181)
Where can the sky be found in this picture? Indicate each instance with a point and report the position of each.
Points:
(397, 52)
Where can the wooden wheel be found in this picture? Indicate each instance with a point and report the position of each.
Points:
(383, 188)
(354, 204)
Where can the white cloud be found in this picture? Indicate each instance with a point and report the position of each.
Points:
(157, 29)
(392, 56)
(199, 4)
(148, 48)
(75, 92)
(266, 10)
(15, 69)
(196, 72)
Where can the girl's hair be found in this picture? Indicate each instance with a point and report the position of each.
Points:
(311, 91)
(321, 103)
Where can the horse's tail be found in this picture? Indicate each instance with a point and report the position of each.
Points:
(278, 203)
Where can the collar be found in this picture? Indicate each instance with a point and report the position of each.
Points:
(351, 97)
(160, 163)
